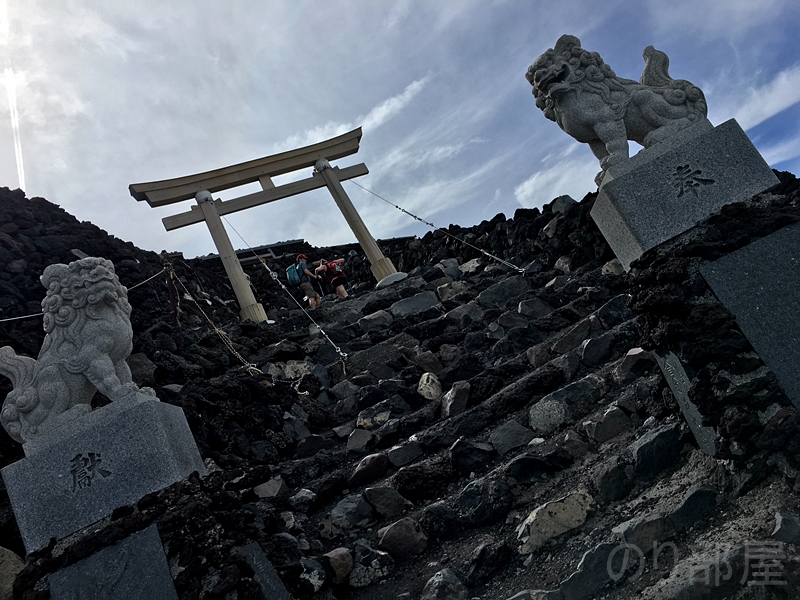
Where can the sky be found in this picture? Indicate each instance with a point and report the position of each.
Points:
(99, 95)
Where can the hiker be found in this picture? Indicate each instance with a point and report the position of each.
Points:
(305, 281)
(332, 270)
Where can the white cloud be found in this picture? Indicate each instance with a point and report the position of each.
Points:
(574, 178)
(781, 152)
(770, 99)
(376, 117)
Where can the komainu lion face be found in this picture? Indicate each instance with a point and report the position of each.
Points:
(564, 67)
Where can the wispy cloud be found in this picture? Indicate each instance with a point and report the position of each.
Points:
(574, 178)
(757, 104)
(778, 153)
(376, 117)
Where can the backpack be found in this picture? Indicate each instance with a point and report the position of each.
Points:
(292, 275)
(334, 269)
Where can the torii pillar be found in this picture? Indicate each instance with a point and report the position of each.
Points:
(379, 265)
(202, 185)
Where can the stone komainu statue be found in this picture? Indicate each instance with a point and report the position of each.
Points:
(88, 337)
(577, 90)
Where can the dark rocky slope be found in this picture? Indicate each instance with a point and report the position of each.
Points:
(551, 395)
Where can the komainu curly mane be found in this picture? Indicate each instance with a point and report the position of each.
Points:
(88, 337)
(580, 92)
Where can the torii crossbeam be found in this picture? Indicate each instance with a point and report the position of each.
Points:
(201, 185)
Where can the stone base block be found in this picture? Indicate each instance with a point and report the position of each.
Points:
(668, 188)
(135, 568)
(760, 285)
(108, 458)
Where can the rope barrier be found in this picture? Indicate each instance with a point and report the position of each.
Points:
(147, 280)
(23, 317)
(249, 367)
(274, 276)
(444, 231)
(40, 314)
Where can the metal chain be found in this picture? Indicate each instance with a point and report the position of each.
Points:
(444, 231)
(249, 367)
(274, 276)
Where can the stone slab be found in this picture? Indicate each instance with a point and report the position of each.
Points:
(265, 574)
(679, 383)
(670, 187)
(112, 457)
(135, 569)
(760, 285)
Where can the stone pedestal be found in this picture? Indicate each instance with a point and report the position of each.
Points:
(135, 569)
(111, 457)
(668, 188)
(760, 285)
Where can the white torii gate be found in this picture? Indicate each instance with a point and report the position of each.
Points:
(201, 185)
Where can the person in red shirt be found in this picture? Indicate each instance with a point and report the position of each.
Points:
(332, 270)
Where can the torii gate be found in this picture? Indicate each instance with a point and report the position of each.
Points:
(200, 186)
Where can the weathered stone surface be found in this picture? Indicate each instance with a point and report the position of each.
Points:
(486, 560)
(448, 290)
(371, 468)
(440, 521)
(465, 314)
(549, 414)
(390, 280)
(615, 311)
(679, 383)
(594, 351)
(509, 436)
(272, 488)
(413, 305)
(552, 519)
(534, 308)
(503, 292)
(686, 180)
(468, 457)
(340, 562)
(646, 533)
(428, 362)
(351, 511)
(529, 468)
(484, 501)
(429, 386)
(377, 415)
(405, 453)
(454, 402)
(699, 504)
(134, 568)
(537, 595)
(611, 423)
(538, 355)
(312, 444)
(386, 501)
(403, 539)
(511, 319)
(302, 500)
(593, 573)
(110, 457)
(635, 363)
(358, 441)
(611, 481)
(381, 370)
(656, 450)
(760, 285)
(573, 338)
(369, 564)
(444, 585)
(376, 321)
(10, 565)
(787, 527)
(313, 576)
(344, 389)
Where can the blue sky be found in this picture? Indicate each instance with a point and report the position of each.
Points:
(112, 93)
